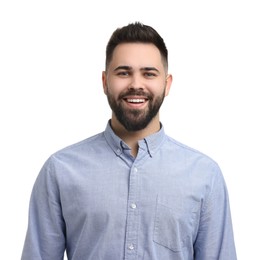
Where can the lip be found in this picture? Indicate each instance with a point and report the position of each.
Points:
(135, 101)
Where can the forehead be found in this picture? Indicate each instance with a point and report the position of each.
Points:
(136, 55)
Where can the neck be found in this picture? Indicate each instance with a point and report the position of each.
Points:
(132, 138)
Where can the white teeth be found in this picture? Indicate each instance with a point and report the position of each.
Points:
(136, 100)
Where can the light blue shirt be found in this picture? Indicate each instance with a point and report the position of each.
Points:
(97, 202)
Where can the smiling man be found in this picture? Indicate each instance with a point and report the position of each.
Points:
(131, 191)
(136, 82)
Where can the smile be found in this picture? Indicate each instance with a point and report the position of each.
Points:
(135, 100)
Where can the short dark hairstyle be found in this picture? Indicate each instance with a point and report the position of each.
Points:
(135, 33)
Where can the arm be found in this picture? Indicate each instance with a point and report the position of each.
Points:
(215, 239)
(45, 238)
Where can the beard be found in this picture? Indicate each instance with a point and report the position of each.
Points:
(135, 119)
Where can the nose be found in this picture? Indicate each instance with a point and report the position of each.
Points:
(136, 82)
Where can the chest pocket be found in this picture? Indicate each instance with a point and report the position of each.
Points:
(176, 223)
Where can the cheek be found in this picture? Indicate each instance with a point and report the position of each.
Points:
(157, 88)
(117, 85)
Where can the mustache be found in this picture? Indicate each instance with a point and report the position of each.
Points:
(135, 92)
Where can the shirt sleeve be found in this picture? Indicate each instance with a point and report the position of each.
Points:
(215, 238)
(45, 237)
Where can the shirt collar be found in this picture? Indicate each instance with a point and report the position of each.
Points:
(150, 143)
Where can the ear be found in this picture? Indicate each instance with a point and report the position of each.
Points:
(104, 82)
(168, 84)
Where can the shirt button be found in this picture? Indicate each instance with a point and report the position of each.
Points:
(135, 169)
(133, 206)
(130, 246)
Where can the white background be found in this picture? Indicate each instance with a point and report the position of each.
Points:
(51, 58)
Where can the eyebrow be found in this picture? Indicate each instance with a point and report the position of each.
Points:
(123, 68)
(130, 68)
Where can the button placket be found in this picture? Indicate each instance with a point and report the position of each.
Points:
(132, 216)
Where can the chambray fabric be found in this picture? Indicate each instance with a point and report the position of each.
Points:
(94, 201)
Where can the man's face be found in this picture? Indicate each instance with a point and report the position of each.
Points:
(135, 84)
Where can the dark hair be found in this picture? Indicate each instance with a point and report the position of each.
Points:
(136, 32)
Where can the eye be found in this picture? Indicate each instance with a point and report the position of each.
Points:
(150, 74)
(123, 73)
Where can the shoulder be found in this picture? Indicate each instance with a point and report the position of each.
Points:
(85, 145)
(190, 157)
(73, 153)
(185, 149)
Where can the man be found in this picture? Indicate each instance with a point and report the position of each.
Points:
(131, 192)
